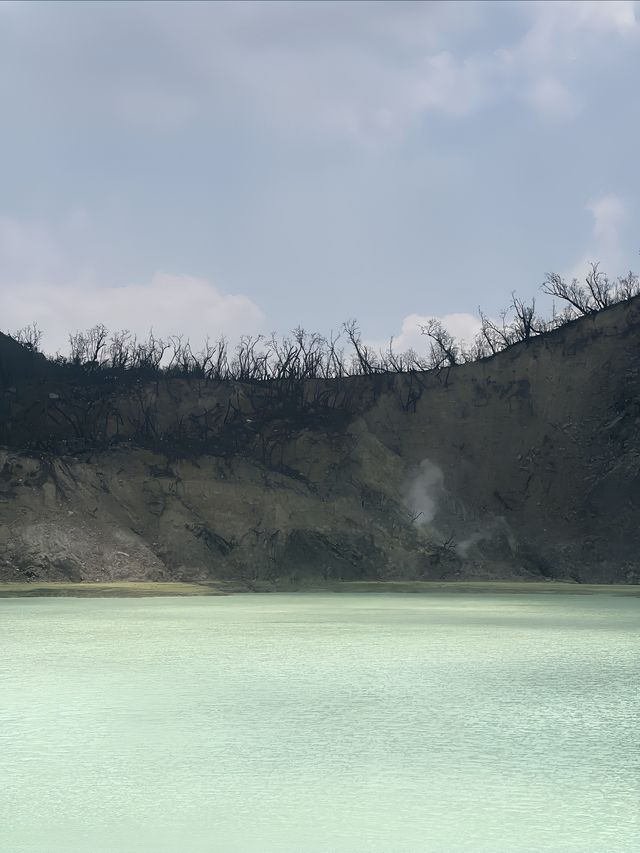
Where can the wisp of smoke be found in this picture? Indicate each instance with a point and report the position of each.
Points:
(462, 548)
(492, 529)
(423, 491)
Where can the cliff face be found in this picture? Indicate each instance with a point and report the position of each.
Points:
(523, 465)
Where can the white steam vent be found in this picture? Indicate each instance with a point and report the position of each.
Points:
(423, 491)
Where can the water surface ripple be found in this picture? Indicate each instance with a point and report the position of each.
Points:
(320, 724)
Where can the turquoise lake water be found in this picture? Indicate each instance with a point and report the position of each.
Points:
(320, 724)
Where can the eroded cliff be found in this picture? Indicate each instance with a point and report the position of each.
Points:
(526, 464)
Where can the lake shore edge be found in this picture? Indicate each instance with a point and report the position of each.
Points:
(145, 589)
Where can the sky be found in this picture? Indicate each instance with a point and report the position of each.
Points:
(237, 168)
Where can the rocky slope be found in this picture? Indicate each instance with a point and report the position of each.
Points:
(523, 465)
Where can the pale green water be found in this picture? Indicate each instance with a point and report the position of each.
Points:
(320, 723)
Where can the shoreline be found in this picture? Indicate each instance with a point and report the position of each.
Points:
(147, 589)
(103, 589)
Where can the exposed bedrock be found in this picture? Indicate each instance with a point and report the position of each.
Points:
(526, 465)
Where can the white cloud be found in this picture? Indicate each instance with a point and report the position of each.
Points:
(609, 215)
(463, 327)
(42, 281)
(355, 70)
(170, 304)
(562, 30)
(552, 99)
(334, 67)
(605, 245)
(543, 67)
(451, 86)
(601, 15)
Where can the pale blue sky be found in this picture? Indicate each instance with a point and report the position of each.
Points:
(231, 167)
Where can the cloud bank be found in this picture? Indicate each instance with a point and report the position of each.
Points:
(605, 244)
(168, 304)
(326, 66)
(43, 279)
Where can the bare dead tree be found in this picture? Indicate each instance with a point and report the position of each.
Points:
(96, 338)
(87, 348)
(250, 362)
(29, 336)
(494, 336)
(335, 366)
(180, 356)
(526, 323)
(445, 350)
(121, 349)
(364, 360)
(627, 287)
(292, 360)
(572, 293)
(600, 288)
(214, 359)
(312, 353)
(148, 355)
